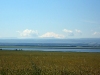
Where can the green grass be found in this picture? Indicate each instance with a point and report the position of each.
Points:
(49, 63)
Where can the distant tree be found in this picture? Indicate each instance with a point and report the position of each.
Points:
(16, 49)
(0, 49)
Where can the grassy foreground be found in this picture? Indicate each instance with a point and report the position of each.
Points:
(49, 63)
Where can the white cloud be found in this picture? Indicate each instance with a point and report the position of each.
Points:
(51, 35)
(96, 33)
(28, 33)
(78, 31)
(69, 32)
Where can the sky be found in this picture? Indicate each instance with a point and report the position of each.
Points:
(42, 19)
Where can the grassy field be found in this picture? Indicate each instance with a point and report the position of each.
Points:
(49, 63)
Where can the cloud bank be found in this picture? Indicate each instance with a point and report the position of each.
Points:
(28, 33)
(51, 35)
(68, 32)
(78, 31)
(96, 33)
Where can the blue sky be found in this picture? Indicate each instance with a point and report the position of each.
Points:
(42, 19)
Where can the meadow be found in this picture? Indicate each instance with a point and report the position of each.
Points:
(49, 63)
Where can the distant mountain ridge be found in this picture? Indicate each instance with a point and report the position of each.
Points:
(83, 40)
(49, 44)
